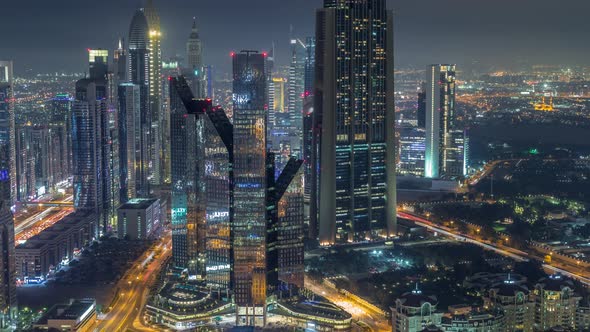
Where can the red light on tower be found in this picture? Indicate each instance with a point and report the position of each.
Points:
(88, 49)
(169, 78)
(264, 54)
(232, 54)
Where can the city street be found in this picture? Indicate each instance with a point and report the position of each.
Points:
(358, 311)
(133, 289)
(518, 255)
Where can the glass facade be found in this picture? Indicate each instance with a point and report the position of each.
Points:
(411, 151)
(249, 204)
(354, 122)
(155, 91)
(90, 149)
(139, 74)
(133, 159)
(183, 149)
(7, 134)
(290, 214)
(8, 300)
(444, 142)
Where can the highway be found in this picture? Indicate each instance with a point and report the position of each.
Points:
(358, 311)
(515, 254)
(27, 226)
(133, 289)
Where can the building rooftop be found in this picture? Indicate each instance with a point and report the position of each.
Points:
(75, 310)
(138, 204)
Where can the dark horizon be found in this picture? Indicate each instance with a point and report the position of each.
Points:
(500, 34)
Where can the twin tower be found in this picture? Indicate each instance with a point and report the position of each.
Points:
(235, 224)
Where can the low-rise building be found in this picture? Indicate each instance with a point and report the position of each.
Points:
(477, 320)
(414, 311)
(76, 316)
(556, 304)
(515, 301)
(53, 247)
(139, 218)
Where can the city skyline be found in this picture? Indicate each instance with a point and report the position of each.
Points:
(317, 165)
(477, 33)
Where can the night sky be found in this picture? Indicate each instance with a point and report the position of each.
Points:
(49, 36)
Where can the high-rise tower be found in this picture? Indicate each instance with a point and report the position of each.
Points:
(8, 302)
(234, 223)
(91, 143)
(7, 134)
(194, 62)
(139, 74)
(445, 146)
(353, 156)
(249, 222)
(155, 90)
(194, 48)
(8, 305)
(308, 120)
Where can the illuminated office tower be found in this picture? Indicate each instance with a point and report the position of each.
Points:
(285, 244)
(91, 144)
(444, 155)
(354, 154)
(25, 167)
(60, 120)
(249, 221)
(109, 149)
(254, 246)
(295, 93)
(139, 74)
(194, 61)
(411, 151)
(39, 160)
(308, 119)
(8, 301)
(421, 111)
(211, 142)
(184, 186)
(120, 62)
(170, 68)
(132, 137)
(277, 118)
(155, 90)
(194, 48)
(7, 134)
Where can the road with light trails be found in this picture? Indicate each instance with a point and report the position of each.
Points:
(513, 253)
(27, 226)
(359, 312)
(133, 291)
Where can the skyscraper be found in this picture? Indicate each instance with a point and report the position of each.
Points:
(91, 145)
(421, 111)
(308, 119)
(155, 90)
(133, 172)
(353, 156)
(444, 155)
(139, 74)
(120, 62)
(194, 48)
(234, 223)
(249, 222)
(8, 302)
(7, 133)
(61, 121)
(295, 92)
(194, 62)
(201, 213)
